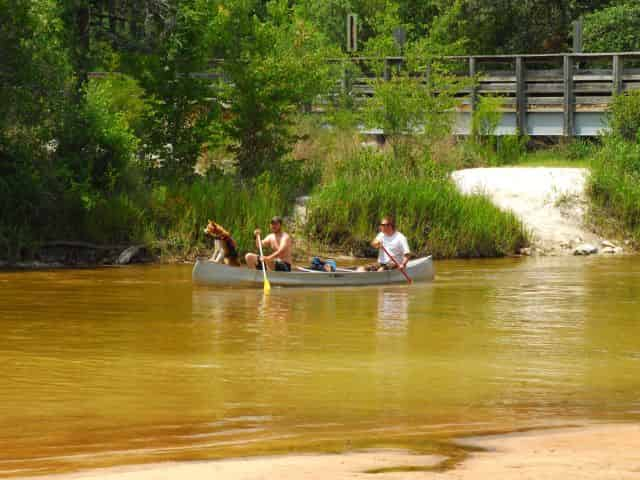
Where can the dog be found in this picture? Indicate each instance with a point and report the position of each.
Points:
(226, 249)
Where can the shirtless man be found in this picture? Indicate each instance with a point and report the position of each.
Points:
(279, 242)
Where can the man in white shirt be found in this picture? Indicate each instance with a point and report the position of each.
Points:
(394, 242)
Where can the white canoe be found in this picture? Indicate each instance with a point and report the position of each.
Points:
(210, 273)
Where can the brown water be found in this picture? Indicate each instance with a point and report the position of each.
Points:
(126, 365)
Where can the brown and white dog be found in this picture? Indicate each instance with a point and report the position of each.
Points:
(226, 249)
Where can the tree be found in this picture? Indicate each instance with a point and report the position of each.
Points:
(411, 108)
(613, 29)
(273, 64)
(514, 26)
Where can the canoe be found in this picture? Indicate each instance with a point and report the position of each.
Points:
(210, 273)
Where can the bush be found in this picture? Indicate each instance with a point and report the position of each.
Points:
(613, 29)
(624, 116)
(177, 212)
(436, 218)
(486, 117)
(615, 185)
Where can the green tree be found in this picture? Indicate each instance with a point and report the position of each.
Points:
(513, 26)
(273, 64)
(613, 29)
(34, 74)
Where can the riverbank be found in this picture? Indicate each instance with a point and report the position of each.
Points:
(599, 452)
(551, 202)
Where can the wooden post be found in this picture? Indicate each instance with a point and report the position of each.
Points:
(344, 81)
(474, 88)
(568, 105)
(521, 97)
(618, 69)
(387, 70)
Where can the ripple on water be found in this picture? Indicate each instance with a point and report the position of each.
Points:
(127, 365)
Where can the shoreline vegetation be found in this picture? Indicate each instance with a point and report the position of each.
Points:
(145, 154)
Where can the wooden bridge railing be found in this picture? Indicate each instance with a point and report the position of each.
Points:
(545, 92)
(566, 84)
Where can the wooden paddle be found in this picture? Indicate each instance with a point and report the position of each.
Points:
(267, 285)
(396, 262)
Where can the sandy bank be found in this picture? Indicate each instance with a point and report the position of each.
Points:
(595, 452)
(551, 202)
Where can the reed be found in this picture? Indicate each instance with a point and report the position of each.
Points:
(615, 187)
(179, 212)
(436, 218)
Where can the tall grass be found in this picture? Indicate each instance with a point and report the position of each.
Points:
(615, 187)
(178, 212)
(436, 218)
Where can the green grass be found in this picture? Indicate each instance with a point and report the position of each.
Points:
(578, 153)
(436, 218)
(551, 159)
(178, 213)
(614, 188)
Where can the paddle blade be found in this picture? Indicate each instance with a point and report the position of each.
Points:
(267, 285)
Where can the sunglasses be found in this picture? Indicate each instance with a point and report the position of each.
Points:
(385, 224)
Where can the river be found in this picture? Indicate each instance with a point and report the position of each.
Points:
(128, 365)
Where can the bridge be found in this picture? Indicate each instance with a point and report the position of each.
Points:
(562, 95)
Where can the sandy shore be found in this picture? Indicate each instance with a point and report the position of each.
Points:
(551, 202)
(599, 452)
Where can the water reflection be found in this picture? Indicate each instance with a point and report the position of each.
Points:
(393, 311)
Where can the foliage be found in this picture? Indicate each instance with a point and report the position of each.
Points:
(184, 119)
(329, 17)
(405, 105)
(486, 117)
(429, 209)
(112, 158)
(512, 26)
(178, 211)
(96, 147)
(483, 147)
(273, 65)
(615, 186)
(124, 97)
(613, 29)
(33, 84)
(624, 117)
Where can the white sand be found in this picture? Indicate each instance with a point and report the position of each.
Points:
(602, 452)
(550, 201)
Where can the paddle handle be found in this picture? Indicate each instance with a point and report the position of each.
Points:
(267, 285)
(396, 262)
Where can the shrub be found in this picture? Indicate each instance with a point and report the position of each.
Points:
(429, 209)
(510, 148)
(615, 184)
(624, 116)
(486, 117)
(613, 29)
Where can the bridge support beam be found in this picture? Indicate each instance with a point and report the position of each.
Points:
(568, 102)
(618, 69)
(474, 89)
(521, 97)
